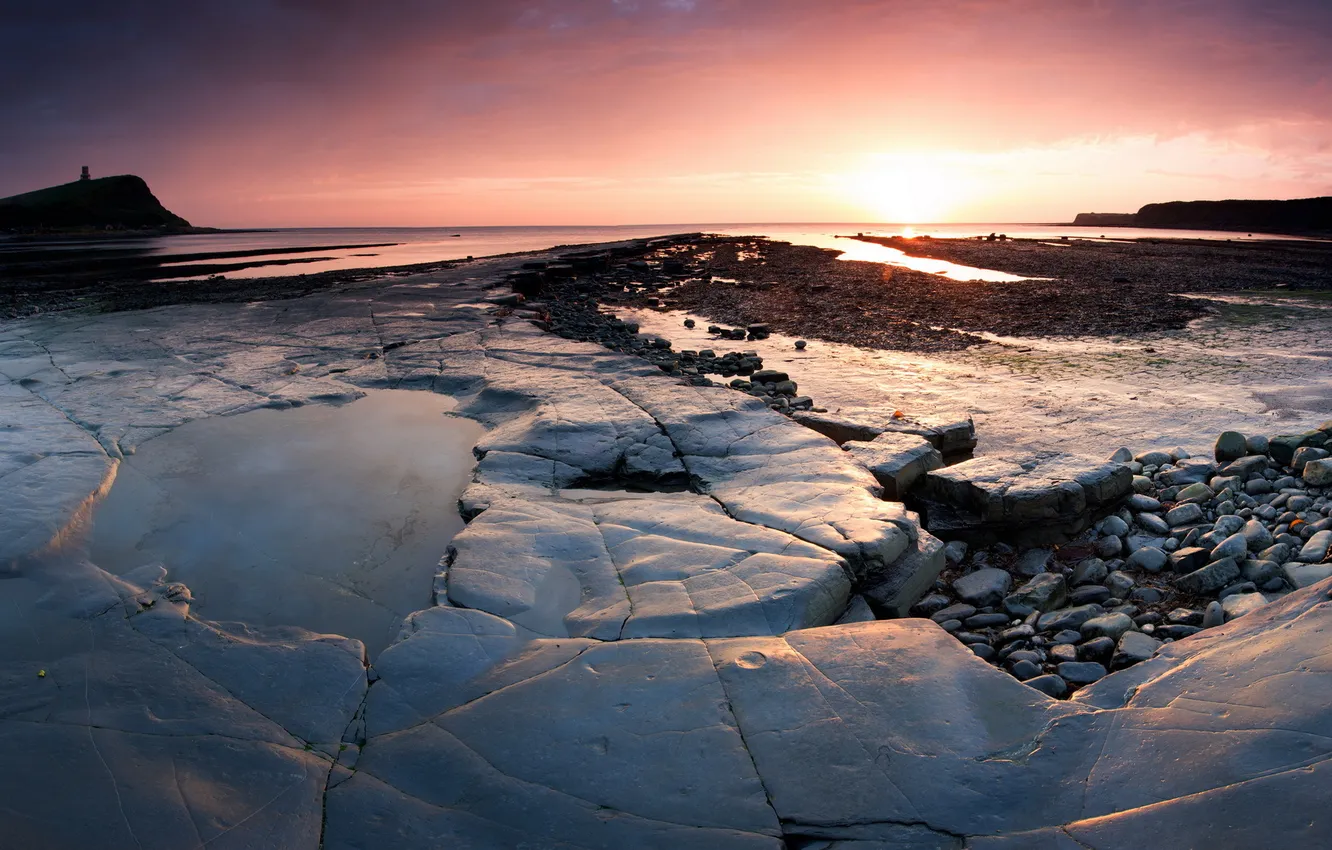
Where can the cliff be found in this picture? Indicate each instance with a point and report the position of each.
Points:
(1305, 215)
(118, 203)
(1301, 216)
(1105, 219)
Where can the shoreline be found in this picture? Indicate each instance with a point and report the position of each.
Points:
(672, 657)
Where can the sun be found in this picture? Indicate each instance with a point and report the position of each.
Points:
(909, 189)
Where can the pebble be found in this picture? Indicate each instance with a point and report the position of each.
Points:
(958, 612)
(1148, 558)
(1089, 571)
(986, 621)
(1049, 684)
(983, 588)
(1081, 672)
(1024, 670)
(1133, 648)
(1088, 594)
(1064, 652)
(1108, 625)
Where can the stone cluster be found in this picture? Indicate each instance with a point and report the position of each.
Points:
(1196, 543)
(574, 291)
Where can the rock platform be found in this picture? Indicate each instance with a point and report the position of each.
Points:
(634, 642)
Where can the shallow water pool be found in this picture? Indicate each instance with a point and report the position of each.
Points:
(329, 518)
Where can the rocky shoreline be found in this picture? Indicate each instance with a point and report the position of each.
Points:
(679, 614)
(1181, 544)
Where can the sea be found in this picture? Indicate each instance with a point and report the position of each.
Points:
(273, 251)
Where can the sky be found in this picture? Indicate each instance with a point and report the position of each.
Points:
(273, 113)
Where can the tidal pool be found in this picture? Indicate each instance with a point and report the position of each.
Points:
(331, 518)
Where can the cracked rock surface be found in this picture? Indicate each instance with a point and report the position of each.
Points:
(632, 643)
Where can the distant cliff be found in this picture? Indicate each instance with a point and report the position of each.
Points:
(1106, 219)
(1302, 216)
(116, 203)
(1306, 215)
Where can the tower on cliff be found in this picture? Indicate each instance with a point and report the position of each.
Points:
(85, 175)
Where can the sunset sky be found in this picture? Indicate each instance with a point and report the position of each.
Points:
(428, 112)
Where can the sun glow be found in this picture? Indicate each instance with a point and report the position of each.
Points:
(910, 189)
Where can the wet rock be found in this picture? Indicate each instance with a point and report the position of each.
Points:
(1033, 561)
(1153, 458)
(1240, 604)
(955, 552)
(1088, 571)
(1256, 445)
(1153, 524)
(1088, 594)
(1282, 448)
(1119, 583)
(986, 621)
(1139, 502)
(1184, 515)
(1049, 684)
(1234, 546)
(983, 588)
(1148, 558)
(1107, 625)
(1081, 672)
(1068, 618)
(1302, 575)
(930, 605)
(1198, 492)
(1318, 473)
(1188, 559)
(1316, 548)
(1231, 445)
(1210, 578)
(1043, 593)
(1133, 648)
(958, 611)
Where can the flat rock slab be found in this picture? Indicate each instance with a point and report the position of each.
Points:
(767, 470)
(642, 567)
(1036, 500)
(628, 744)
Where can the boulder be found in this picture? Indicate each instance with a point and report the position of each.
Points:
(1231, 445)
(1028, 501)
(1304, 455)
(1133, 647)
(896, 461)
(1282, 448)
(1044, 593)
(1107, 625)
(984, 588)
(1068, 618)
(1148, 558)
(1318, 473)
(1184, 515)
(1210, 578)
(1316, 548)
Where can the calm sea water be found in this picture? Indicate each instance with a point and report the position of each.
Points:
(423, 245)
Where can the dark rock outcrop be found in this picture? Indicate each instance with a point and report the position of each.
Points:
(119, 203)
